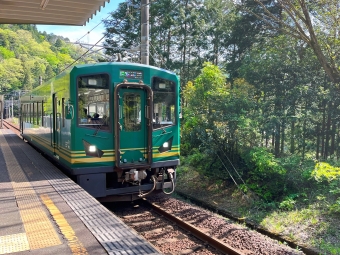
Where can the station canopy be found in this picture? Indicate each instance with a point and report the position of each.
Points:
(52, 12)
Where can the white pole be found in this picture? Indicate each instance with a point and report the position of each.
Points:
(144, 46)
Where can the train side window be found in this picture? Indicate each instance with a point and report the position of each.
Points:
(164, 102)
(94, 101)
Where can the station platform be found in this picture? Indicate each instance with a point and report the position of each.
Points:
(42, 211)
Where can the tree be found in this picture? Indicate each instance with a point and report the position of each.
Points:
(313, 22)
(123, 29)
(25, 55)
(201, 97)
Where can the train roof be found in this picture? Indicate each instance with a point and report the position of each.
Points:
(123, 64)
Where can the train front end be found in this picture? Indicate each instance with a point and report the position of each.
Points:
(126, 122)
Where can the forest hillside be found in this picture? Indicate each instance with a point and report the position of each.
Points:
(28, 57)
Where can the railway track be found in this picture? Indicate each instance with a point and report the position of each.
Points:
(175, 227)
(200, 234)
(13, 127)
(158, 228)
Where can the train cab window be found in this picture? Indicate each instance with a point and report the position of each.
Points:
(132, 112)
(164, 102)
(94, 101)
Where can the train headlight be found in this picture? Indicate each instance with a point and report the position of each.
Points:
(166, 146)
(92, 150)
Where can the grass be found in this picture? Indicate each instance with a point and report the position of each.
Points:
(308, 222)
(329, 248)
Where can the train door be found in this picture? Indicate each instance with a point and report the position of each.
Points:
(55, 124)
(133, 126)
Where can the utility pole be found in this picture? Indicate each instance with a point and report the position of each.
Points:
(144, 46)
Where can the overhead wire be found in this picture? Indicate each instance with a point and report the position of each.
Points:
(91, 47)
(95, 45)
(93, 28)
(119, 35)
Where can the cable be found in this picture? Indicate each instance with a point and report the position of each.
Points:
(83, 54)
(233, 167)
(97, 41)
(89, 48)
(93, 28)
(170, 175)
(218, 148)
(141, 194)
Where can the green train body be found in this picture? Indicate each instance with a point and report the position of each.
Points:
(113, 127)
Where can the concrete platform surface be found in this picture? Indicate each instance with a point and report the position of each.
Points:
(42, 211)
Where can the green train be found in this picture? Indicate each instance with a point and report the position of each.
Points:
(113, 127)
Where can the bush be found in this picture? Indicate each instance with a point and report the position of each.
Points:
(288, 202)
(328, 178)
(335, 208)
(266, 176)
(298, 173)
(325, 172)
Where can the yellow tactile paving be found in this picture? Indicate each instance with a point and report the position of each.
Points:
(75, 245)
(38, 227)
(13, 243)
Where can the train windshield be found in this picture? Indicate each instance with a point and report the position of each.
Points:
(93, 101)
(164, 101)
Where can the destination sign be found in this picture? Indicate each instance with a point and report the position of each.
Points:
(131, 75)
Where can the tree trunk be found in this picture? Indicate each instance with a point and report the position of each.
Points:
(333, 131)
(337, 143)
(317, 141)
(292, 137)
(328, 131)
(304, 138)
(283, 137)
(277, 140)
(323, 128)
(168, 48)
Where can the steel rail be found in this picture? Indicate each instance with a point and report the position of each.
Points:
(9, 125)
(217, 244)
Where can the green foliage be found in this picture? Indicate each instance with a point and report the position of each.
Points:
(25, 54)
(200, 161)
(288, 203)
(264, 163)
(266, 176)
(325, 172)
(335, 208)
(201, 96)
(328, 177)
(6, 53)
